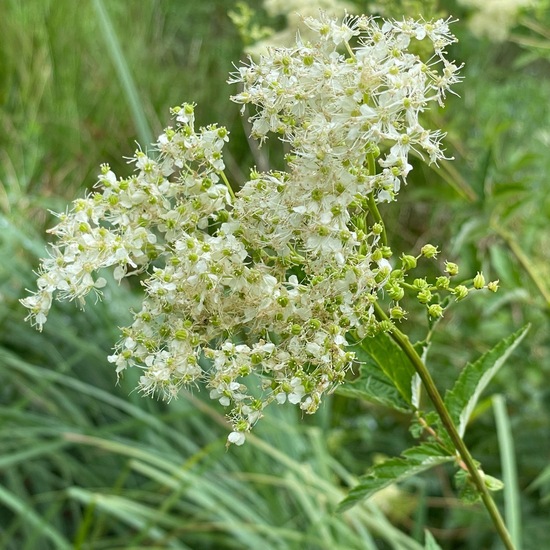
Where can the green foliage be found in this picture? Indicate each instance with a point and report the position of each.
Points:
(374, 385)
(474, 378)
(412, 462)
(385, 374)
(393, 365)
(88, 464)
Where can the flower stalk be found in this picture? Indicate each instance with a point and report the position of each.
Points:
(468, 462)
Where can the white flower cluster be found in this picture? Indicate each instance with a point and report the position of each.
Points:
(294, 12)
(272, 280)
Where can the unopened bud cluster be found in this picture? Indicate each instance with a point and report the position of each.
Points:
(429, 294)
(264, 284)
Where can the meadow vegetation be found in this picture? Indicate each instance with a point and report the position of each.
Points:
(89, 463)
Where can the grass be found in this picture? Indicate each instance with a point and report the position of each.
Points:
(86, 466)
(86, 463)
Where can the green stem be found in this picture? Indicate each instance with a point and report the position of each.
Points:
(373, 207)
(350, 51)
(433, 393)
(524, 261)
(227, 184)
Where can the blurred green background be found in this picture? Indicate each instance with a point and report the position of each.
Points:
(86, 463)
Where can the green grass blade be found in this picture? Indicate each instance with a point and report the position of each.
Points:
(512, 504)
(32, 519)
(124, 74)
(38, 449)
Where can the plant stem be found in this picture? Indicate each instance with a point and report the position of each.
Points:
(373, 208)
(433, 393)
(227, 184)
(524, 261)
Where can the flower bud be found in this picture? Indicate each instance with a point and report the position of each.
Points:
(429, 251)
(420, 284)
(395, 292)
(424, 296)
(386, 326)
(408, 262)
(435, 311)
(396, 275)
(460, 292)
(386, 251)
(442, 283)
(493, 286)
(377, 255)
(479, 280)
(451, 269)
(377, 228)
(397, 312)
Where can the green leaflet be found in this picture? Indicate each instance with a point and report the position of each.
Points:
(462, 399)
(374, 386)
(413, 461)
(393, 364)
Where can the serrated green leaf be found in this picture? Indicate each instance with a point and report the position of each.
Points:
(374, 386)
(425, 451)
(413, 461)
(467, 491)
(473, 379)
(393, 362)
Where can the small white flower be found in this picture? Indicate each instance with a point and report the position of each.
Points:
(237, 438)
(259, 282)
